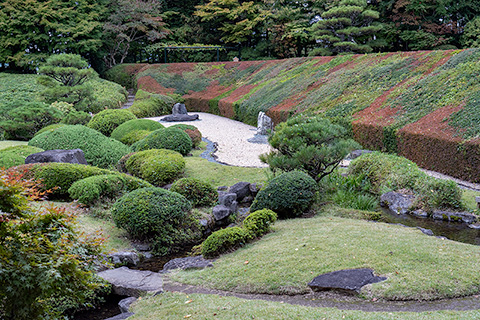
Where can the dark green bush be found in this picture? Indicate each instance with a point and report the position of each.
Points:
(99, 150)
(134, 125)
(168, 138)
(107, 120)
(134, 136)
(106, 95)
(152, 214)
(259, 222)
(121, 165)
(123, 74)
(147, 104)
(157, 166)
(200, 193)
(224, 240)
(290, 194)
(77, 117)
(91, 189)
(50, 128)
(15, 156)
(192, 131)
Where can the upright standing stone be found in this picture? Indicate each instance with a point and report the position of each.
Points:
(264, 123)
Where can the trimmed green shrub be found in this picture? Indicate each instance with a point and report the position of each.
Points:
(157, 166)
(91, 189)
(107, 120)
(77, 117)
(134, 136)
(153, 214)
(200, 193)
(134, 125)
(99, 150)
(50, 128)
(15, 156)
(106, 95)
(259, 222)
(147, 104)
(290, 194)
(121, 165)
(224, 240)
(168, 138)
(192, 131)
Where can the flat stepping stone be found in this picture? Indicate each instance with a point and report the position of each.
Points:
(187, 263)
(350, 281)
(132, 283)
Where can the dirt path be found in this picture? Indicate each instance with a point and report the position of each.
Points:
(337, 300)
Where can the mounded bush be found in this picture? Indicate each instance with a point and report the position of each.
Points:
(168, 138)
(224, 240)
(153, 214)
(91, 189)
(15, 156)
(290, 194)
(259, 222)
(192, 131)
(108, 120)
(121, 165)
(157, 166)
(134, 125)
(200, 193)
(147, 104)
(99, 150)
(50, 128)
(134, 136)
(77, 117)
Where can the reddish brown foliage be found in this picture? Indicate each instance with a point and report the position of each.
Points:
(149, 84)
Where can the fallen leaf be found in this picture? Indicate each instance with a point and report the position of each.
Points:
(188, 316)
(246, 262)
(189, 301)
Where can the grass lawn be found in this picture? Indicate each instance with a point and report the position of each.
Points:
(199, 306)
(10, 143)
(418, 267)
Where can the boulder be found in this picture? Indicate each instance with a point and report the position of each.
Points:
(187, 263)
(179, 108)
(397, 202)
(180, 118)
(350, 281)
(125, 304)
(66, 156)
(264, 124)
(241, 189)
(124, 258)
(428, 232)
(221, 213)
(132, 283)
(228, 200)
(465, 217)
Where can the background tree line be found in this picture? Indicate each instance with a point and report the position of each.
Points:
(107, 32)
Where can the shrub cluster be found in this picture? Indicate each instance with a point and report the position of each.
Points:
(153, 214)
(151, 105)
(15, 156)
(192, 131)
(106, 95)
(132, 126)
(290, 194)
(77, 117)
(157, 166)
(92, 189)
(259, 222)
(107, 120)
(50, 128)
(99, 150)
(168, 138)
(200, 193)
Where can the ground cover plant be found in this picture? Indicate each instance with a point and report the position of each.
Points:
(168, 138)
(16, 155)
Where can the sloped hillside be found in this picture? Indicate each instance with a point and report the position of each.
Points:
(423, 105)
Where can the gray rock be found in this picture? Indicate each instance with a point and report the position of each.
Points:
(58, 155)
(420, 213)
(221, 213)
(125, 304)
(428, 232)
(397, 202)
(465, 217)
(357, 153)
(179, 108)
(241, 189)
(187, 263)
(121, 316)
(222, 188)
(350, 281)
(132, 283)
(180, 117)
(254, 188)
(227, 199)
(142, 246)
(124, 258)
(264, 124)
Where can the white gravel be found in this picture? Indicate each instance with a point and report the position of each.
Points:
(231, 137)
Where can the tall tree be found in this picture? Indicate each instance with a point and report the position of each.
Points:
(31, 30)
(348, 26)
(132, 21)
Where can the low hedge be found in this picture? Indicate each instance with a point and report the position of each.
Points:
(50, 128)
(290, 194)
(224, 240)
(77, 117)
(134, 125)
(192, 131)
(151, 105)
(91, 189)
(108, 120)
(200, 193)
(99, 150)
(168, 138)
(134, 136)
(16, 155)
(259, 222)
(157, 166)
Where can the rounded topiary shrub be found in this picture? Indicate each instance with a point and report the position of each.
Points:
(49, 128)
(134, 136)
(290, 194)
(99, 150)
(121, 165)
(77, 117)
(91, 189)
(134, 125)
(224, 240)
(147, 104)
(200, 193)
(107, 120)
(168, 138)
(15, 156)
(157, 166)
(192, 131)
(152, 214)
(259, 222)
